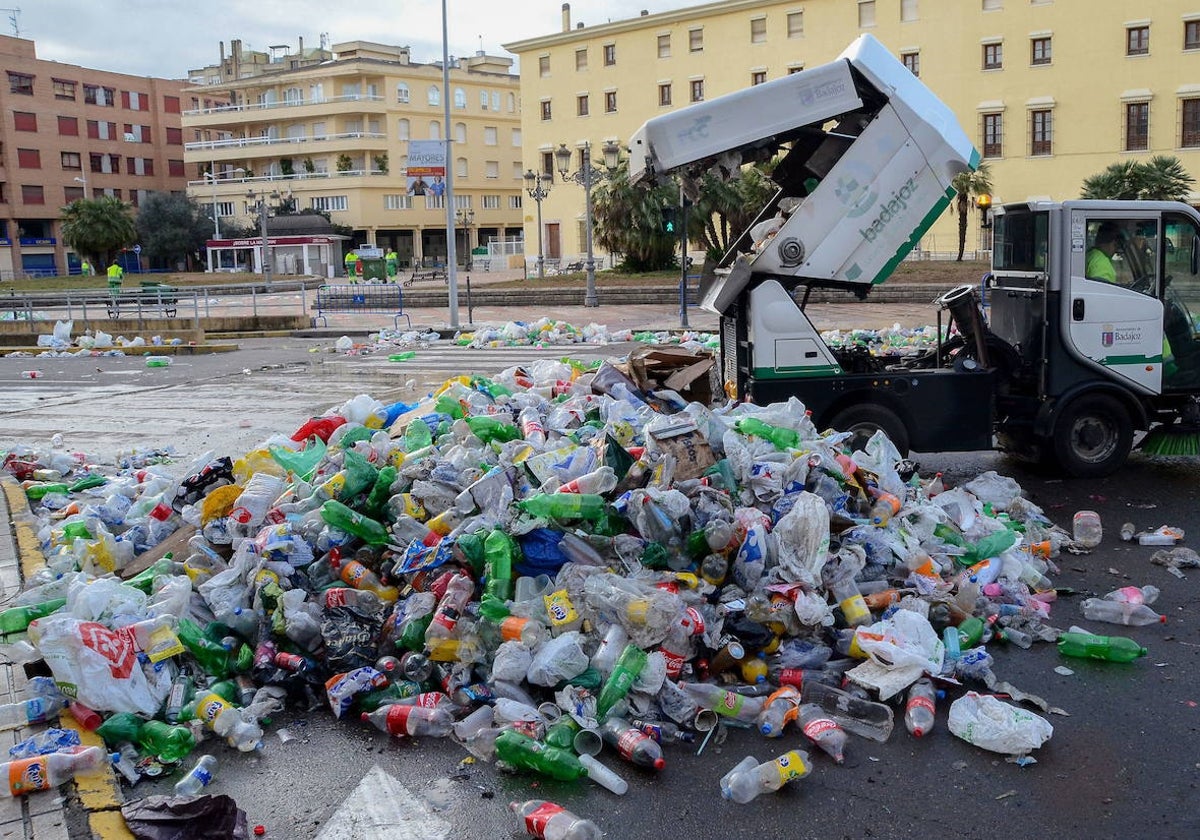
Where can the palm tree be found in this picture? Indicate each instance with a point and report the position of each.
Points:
(724, 209)
(1162, 178)
(969, 185)
(629, 221)
(98, 228)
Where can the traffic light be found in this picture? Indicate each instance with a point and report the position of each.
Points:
(669, 223)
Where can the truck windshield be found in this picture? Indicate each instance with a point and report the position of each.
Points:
(1021, 241)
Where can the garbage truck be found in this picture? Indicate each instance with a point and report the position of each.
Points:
(1079, 337)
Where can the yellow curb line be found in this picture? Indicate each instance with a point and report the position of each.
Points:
(99, 793)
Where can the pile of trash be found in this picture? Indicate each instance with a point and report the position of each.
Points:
(559, 568)
(547, 332)
(894, 341)
(386, 341)
(60, 344)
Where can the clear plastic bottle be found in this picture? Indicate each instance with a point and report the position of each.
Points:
(919, 714)
(1087, 529)
(1115, 612)
(823, 731)
(781, 707)
(632, 744)
(726, 703)
(749, 778)
(865, 718)
(410, 719)
(42, 772)
(548, 821)
(1134, 595)
(198, 777)
(228, 722)
(445, 619)
(34, 710)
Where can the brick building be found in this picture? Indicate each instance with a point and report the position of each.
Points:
(67, 132)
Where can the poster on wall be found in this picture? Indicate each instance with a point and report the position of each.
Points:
(426, 167)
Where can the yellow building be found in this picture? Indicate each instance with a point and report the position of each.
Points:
(1050, 91)
(333, 136)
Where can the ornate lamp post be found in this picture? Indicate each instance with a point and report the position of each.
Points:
(538, 187)
(465, 217)
(586, 177)
(258, 203)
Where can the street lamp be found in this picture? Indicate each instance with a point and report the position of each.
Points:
(216, 217)
(465, 216)
(537, 184)
(82, 180)
(585, 177)
(258, 201)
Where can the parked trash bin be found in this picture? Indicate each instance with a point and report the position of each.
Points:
(374, 268)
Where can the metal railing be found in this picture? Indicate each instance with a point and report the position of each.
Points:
(284, 103)
(243, 142)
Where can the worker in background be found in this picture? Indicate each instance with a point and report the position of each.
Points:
(350, 260)
(392, 263)
(85, 269)
(116, 275)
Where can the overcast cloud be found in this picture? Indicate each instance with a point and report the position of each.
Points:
(170, 37)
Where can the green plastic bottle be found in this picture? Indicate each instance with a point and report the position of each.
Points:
(381, 492)
(489, 429)
(352, 522)
(524, 753)
(498, 549)
(169, 743)
(121, 728)
(564, 506)
(781, 437)
(39, 491)
(16, 619)
(624, 674)
(88, 482)
(144, 580)
(970, 631)
(1108, 648)
(213, 658)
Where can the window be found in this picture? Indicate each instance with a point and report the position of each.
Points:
(402, 93)
(24, 121)
(581, 105)
(460, 98)
(993, 135)
(548, 165)
(993, 56)
(483, 100)
(402, 130)
(1137, 126)
(491, 169)
(29, 159)
(64, 89)
(866, 13)
(104, 163)
(1137, 40)
(610, 55)
(434, 95)
(1190, 138)
(460, 169)
(491, 202)
(68, 127)
(71, 160)
(795, 24)
(664, 46)
(1040, 133)
(581, 59)
(912, 61)
(758, 77)
(491, 135)
(795, 68)
(134, 101)
(993, 5)
(758, 30)
(510, 102)
(1039, 51)
(547, 113)
(175, 169)
(496, 101)
(516, 138)
(96, 95)
(610, 101)
(435, 130)
(460, 133)
(664, 94)
(435, 202)
(908, 10)
(544, 66)
(514, 202)
(21, 83)
(71, 194)
(697, 90)
(397, 201)
(696, 40)
(171, 104)
(329, 202)
(1191, 34)
(32, 195)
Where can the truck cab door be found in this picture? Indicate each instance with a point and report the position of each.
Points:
(1179, 247)
(1112, 312)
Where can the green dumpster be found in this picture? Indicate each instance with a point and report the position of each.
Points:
(374, 268)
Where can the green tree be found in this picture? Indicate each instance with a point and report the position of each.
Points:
(968, 186)
(723, 209)
(172, 227)
(98, 228)
(629, 221)
(1162, 178)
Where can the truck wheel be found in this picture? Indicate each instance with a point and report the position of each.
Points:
(1093, 436)
(864, 420)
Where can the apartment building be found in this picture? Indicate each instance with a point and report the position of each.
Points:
(68, 132)
(1051, 91)
(333, 135)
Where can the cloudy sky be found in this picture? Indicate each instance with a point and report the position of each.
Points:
(170, 37)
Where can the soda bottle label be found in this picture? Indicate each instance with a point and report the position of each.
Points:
(202, 774)
(693, 621)
(629, 741)
(27, 775)
(637, 610)
(412, 507)
(730, 704)
(789, 766)
(511, 628)
(560, 609)
(36, 710)
(353, 572)
(163, 644)
(919, 702)
(397, 719)
(446, 617)
(335, 597)
(429, 699)
(814, 729)
(536, 820)
(855, 609)
(211, 707)
(675, 662)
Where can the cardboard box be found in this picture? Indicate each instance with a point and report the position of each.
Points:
(691, 374)
(683, 440)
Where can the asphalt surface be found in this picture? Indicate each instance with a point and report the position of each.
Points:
(1122, 764)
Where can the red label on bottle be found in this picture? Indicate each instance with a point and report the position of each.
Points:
(814, 729)
(694, 621)
(397, 719)
(919, 702)
(629, 740)
(27, 775)
(536, 820)
(429, 699)
(792, 676)
(674, 662)
(335, 597)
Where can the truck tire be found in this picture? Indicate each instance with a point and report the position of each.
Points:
(865, 419)
(1093, 436)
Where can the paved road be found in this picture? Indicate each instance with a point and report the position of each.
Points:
(1122, 764)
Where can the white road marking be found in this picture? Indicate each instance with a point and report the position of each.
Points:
(381, 808)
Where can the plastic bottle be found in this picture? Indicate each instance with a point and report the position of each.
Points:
(1109, 648)
(166, 742)
(822, 730)
(781, 707)
(1114, 612)
(548, 821)
(1086, 529)
(919, 709)
(632, 744)
(450, 608)
(749, 778)
(564, 506)
(352, 522)
(599, 482)
(37, 709)
(861, 717)
(355, 574)
(410, 719)
(754, 669)
(884, 508)
(1134, 595)
(16, 619)
(524, 753)
(781, 437)
(1127, 532)
(198, 777)
(361, 599)
(28, 775)
(625, 671)
(213, 658)
(854, 609)
(228, 722)
(726, 703)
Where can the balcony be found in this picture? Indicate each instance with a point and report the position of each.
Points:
(203, 117)
(224, 183)
(259, 142)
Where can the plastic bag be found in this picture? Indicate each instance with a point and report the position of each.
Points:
(62, 331)
(559, 659)
(992, 487)
(905, 640)
(802, 541)
(350, 638)
(512, 662)
(994, 725)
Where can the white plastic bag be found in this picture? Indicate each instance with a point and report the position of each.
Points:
(559, 659)
(905, 640)
(992, 487)
(802, 541)
(512, 662)
(994, 725)
(62, 331)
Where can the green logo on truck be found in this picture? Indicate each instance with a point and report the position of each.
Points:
(892, 208)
